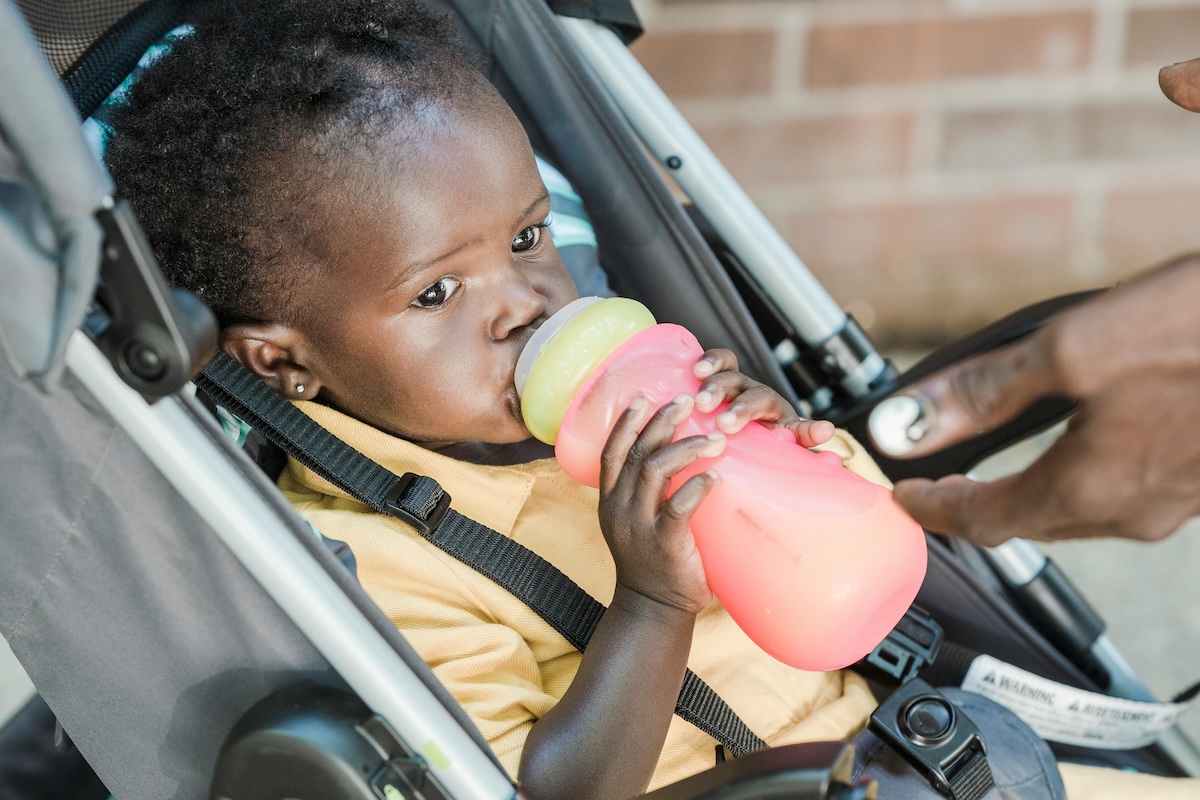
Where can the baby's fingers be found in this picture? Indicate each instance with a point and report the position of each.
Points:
(755, 402)
(620, 442)
(680, 507)
(714, 361)
(667, 462)
(627, 449)
(810, 432)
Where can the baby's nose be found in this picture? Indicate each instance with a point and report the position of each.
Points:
(522, 306)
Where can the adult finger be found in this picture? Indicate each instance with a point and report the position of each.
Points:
(966, 399)
(1181, 84)
(957, 506)
(1059, 491)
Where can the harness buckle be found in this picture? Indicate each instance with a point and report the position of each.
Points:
(936, 738)
(913, 643)
(424, 507)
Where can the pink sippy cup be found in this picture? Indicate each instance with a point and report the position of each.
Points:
(815, 564)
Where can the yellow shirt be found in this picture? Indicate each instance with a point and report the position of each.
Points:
(501, 661)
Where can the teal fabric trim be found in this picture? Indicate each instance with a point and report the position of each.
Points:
(567, 231)
(96, 129)
(234, 428)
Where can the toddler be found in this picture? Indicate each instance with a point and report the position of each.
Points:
(362, 210)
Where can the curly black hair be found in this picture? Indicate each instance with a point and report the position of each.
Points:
(223, 140)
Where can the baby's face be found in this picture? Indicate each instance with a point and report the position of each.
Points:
(440, 275)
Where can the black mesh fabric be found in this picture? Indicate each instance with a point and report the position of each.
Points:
(65, 29)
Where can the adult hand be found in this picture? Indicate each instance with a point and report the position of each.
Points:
(1129, 463)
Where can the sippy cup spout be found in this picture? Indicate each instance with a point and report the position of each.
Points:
(542, 336)
(565, 350)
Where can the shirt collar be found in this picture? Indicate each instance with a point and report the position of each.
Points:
(491, 495)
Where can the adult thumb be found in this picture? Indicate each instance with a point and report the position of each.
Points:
(965, 400)
(1181, 84)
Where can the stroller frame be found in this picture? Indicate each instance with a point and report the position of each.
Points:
(172, 435)
(799, 297)
(175, 436)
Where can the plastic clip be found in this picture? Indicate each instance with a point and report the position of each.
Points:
(913, 643)
(936, 738)
(424, 509)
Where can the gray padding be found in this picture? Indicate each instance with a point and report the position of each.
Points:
(46, 157)
(1022, 765)
(138, 627)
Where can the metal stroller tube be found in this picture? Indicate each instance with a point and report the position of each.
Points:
(253, 532)
(803, 301)
(1020, 564)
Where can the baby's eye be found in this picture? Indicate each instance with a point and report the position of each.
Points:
(528, 238)
(437, 294)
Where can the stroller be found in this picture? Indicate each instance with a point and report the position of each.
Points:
(138, 535)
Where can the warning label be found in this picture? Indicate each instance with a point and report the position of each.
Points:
(1068, 715)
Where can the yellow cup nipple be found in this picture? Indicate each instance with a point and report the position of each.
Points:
(566, 350)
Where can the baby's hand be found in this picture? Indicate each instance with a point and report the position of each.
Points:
(750, 400)
(648, 536)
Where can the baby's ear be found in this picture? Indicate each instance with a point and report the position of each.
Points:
(275, 353)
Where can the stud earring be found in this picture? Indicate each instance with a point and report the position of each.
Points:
(299, 388)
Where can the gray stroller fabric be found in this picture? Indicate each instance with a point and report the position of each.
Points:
(1021, 764)
(50, 190)
(140, 630)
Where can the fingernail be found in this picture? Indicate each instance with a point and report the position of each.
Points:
(703, 398)
(683, 407)
(727, 418)
(712, 473)
(1168, 66)
(703, 367)
(899, 422)
(715, 436)
(638, 403)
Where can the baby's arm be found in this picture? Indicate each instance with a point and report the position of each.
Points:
(604, 738)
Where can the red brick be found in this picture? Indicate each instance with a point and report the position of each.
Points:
(709, 63)
(939, 269)
(1145, 226)
(1150, 130)
(940, 48)
(1153, 130)
(1161, 36)
(1007, 139)
(813, 149)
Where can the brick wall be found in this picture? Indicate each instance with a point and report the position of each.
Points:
(937, 163)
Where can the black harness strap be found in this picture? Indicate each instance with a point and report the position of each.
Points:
(423, 503)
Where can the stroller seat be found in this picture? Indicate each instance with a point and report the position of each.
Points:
(102, 532)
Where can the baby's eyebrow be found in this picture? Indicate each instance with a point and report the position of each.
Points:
(542, 198)
(413, 269)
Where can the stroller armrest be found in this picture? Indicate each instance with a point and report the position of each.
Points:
(320, 741)
(963, 456)
(810, 771)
